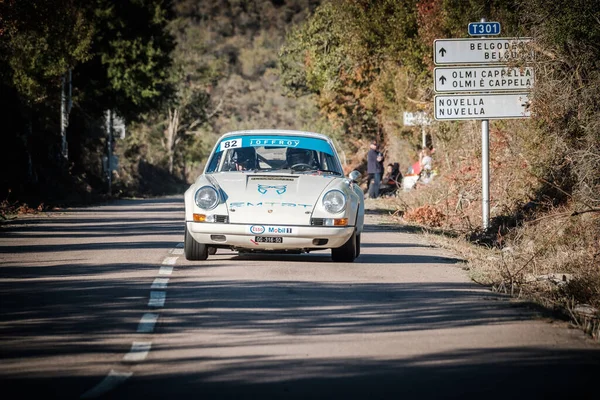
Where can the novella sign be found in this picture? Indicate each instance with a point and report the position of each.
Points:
(481, 106)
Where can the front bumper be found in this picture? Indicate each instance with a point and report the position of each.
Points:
(239, 236)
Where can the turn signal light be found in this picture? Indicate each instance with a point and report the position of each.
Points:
(335, 221)
(199, 218)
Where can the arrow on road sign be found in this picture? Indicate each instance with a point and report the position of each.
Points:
(482, 51)
(499, 78)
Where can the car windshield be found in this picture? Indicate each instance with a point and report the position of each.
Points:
(295, 154)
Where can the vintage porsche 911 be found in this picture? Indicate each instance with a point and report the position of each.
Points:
(274, 191)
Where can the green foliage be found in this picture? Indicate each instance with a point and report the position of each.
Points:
(39, 41)
(224, 78)
(348, 54)
(131, 57)
(566, 99)
(118, 52)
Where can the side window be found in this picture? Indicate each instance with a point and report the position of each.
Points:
(214, 162)
(328, 163)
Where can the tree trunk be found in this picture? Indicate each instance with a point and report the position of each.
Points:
(171, 134)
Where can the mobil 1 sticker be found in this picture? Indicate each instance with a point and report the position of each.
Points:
(271, 230)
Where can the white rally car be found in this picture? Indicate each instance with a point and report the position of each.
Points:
(274, 191)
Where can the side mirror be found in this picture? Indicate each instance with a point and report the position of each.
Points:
(354, 176)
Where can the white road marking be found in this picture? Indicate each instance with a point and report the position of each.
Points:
(165, 271)
(157, 299)
(147, 323)
(111, 381)
(160, 283)
(170, 261)
(139, 352)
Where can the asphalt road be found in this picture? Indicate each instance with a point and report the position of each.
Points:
(100, 303)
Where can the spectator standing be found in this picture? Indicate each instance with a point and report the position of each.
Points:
(426, 163)
(374, 170)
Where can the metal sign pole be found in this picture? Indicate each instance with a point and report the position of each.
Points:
(485, 170)
(486, 102)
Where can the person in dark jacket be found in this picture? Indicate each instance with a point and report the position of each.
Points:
(374, 170)
(392, 179)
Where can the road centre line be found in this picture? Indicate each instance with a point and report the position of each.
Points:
(139, 351)
(147, 323)
(112, 380)
(170, 261)
(165, 271)
(160, 283)
(157, 299)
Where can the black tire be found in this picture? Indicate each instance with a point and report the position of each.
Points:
(347, 252)
(212, 251)
(357, 245)
(193, 250)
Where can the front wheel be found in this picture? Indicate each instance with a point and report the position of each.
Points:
(193, 250)
(347, 252)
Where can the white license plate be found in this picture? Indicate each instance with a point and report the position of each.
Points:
(268, 239)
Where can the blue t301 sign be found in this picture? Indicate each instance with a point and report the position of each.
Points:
(484, 28)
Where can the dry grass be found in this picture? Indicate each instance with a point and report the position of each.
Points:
(553, 259)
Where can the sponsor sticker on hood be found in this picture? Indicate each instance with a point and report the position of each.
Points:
(271, 230)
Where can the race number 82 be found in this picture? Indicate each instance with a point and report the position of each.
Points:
(230, 144)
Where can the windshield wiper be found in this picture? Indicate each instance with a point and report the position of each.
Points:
(328, 171)
(317, 171)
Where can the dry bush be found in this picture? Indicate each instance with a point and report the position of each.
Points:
(425, 215)
(456, 190)
(12, 209)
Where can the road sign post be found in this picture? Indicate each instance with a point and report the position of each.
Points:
(463, 73)
(418, 119)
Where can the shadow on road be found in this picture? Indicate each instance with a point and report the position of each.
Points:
(52, 315)
(500, 373)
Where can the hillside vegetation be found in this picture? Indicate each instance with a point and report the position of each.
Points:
(182, 72)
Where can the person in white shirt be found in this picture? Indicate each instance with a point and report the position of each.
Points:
(426, 163)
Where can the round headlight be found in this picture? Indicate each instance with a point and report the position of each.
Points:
(207, 198)
(334, 201)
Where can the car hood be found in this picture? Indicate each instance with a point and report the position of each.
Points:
(277, 199)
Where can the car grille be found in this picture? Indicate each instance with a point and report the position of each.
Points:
(223, 219)
(317, 221)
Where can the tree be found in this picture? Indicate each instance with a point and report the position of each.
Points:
(119, 53)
